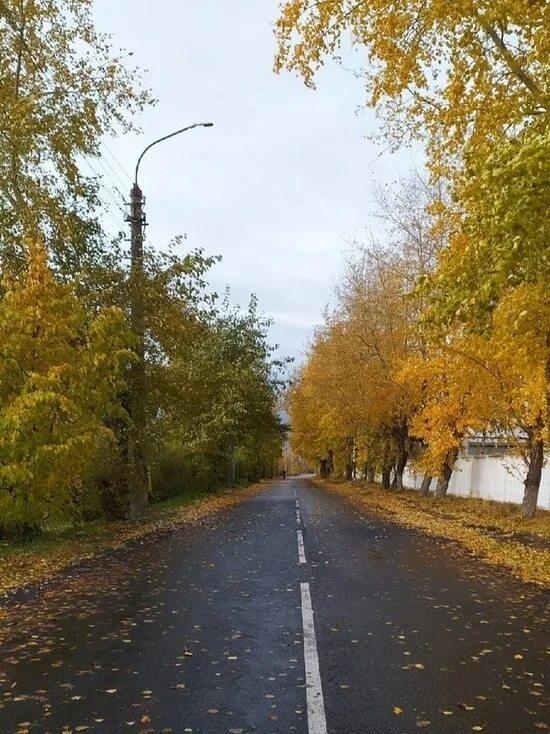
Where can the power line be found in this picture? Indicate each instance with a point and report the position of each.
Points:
(119, 164)
(102, 162)
(99, 178)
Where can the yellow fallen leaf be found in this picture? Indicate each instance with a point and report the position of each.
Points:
(397, 710)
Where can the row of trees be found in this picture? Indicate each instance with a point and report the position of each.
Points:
(444, 328)
(64, 363)
(65, 341)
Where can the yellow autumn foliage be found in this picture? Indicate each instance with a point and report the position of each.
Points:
(459, 74)
(61, 376)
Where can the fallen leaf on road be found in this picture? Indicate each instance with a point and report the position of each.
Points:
(397, 710)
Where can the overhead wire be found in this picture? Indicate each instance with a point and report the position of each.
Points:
(119, 164)
(101, 162)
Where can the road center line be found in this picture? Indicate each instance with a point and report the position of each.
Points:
(301, 549)
(315, 705)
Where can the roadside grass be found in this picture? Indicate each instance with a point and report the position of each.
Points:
(34, 560)
(493, 531)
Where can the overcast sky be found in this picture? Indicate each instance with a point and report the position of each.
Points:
(284, 179)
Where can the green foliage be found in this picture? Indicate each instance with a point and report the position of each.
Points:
(214, 399)
(503, 234)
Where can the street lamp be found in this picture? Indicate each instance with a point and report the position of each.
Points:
(139, 478)
(167, 137)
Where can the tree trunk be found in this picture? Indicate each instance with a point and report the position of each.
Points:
(330, 462)
(532, 480)
(111, 474)
(446, 473)
(386, 473)
(323, 468)
(402, 457)
(426, 484)
(370, 475)
(231, 476)
(350, 443)
(400, 434)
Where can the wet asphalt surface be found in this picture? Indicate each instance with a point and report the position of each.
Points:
(200, 631)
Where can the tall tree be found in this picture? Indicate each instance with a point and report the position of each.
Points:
(216, 395)
(494, 277)
(61, 377)
(62, 87)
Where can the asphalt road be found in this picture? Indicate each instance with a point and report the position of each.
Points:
(235, 627)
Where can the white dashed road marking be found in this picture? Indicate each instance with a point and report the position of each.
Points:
(315, 705)
(301, 549)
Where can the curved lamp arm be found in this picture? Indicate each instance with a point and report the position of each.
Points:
(167, 137)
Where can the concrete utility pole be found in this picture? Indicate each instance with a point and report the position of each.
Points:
(138, 471)
(139, 477)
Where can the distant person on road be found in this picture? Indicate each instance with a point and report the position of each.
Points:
(284, 473)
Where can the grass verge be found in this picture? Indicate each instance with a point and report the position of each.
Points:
(493, 531)
(35, 561)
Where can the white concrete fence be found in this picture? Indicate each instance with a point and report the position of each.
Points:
(497, 478)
